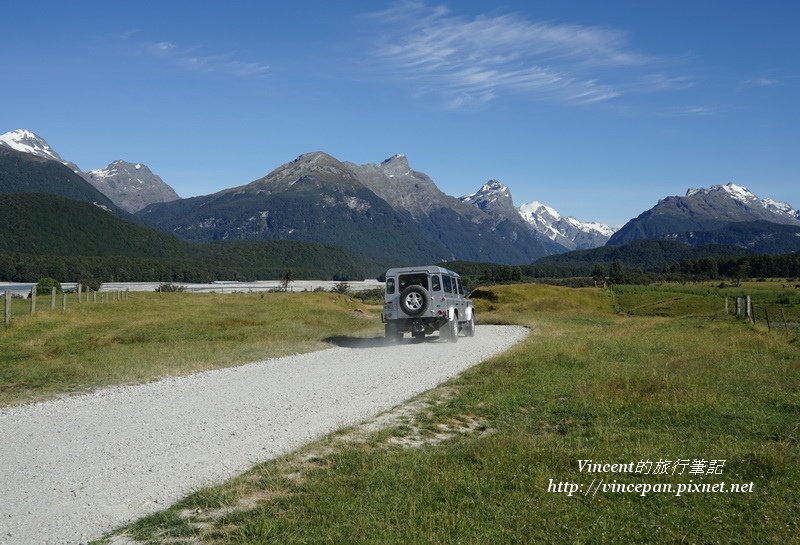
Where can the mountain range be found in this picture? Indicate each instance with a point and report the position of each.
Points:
(388, 210)
(454, 228)
(131, 186)
(26, 173)
(564, 232)
(704, 211)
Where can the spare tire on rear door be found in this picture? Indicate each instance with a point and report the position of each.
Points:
(414, 300)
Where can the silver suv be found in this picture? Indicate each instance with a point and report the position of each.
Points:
(426, 299)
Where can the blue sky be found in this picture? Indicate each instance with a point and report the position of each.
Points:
(595, 108)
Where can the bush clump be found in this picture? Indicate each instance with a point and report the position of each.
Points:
(374, 296)
(47, 284)
(169, 287)
(341, 287)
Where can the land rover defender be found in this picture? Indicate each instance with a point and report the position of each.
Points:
(422, 300)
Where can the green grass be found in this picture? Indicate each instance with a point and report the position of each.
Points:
(707, 298)
(589, 382)
(153, 335)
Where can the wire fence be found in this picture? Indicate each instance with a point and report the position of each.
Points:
(25, 298)
(34, 301)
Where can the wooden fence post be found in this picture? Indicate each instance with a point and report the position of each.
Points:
(52, 298)
(126, 293)
(749, 310)
(94, 297)
(726, 305)
(80, 289)
(33, 300)
(738, 307)
(766, 315)
(7, 311)
(64, 302)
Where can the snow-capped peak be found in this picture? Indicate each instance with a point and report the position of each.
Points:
(493, 186)
(737, 192)
(28, 142)
(492, 195)
(539, 209)
(591, 226)
(491, 189)
(745, 196)
(566, 230)
(131, 186)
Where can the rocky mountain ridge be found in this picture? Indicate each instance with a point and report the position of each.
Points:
(703, 210)
(131, 186)
(393, 209)
(567, 232)
(385, 209)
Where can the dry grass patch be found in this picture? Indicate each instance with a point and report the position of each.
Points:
(151, 335)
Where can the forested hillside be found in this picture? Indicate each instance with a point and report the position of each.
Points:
(647, 255)
(46, 235)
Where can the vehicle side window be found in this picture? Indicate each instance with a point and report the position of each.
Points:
(448, 284)
(436, 284)
(460, 287)
(389, 286)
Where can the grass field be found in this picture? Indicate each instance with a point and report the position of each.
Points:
(679, 382)
(707, 298)
(153, 335)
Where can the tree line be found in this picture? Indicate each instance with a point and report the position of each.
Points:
(96, 269)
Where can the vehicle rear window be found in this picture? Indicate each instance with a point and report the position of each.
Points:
(448, 284)
(436, 283)
(389, 286)
(415, 279)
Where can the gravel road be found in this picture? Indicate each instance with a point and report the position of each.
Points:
(74, 468)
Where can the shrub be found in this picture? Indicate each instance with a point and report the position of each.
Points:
(46, 284)
(169, 287)
(341, 287)
(374, 295)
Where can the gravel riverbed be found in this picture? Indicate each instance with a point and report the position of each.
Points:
(74, 468)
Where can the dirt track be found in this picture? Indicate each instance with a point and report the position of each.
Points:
(75, 468)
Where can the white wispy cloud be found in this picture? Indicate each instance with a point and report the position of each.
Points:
(161, 47)
(763, 82)
(475, 60)
(694, 110)
(192, 58)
